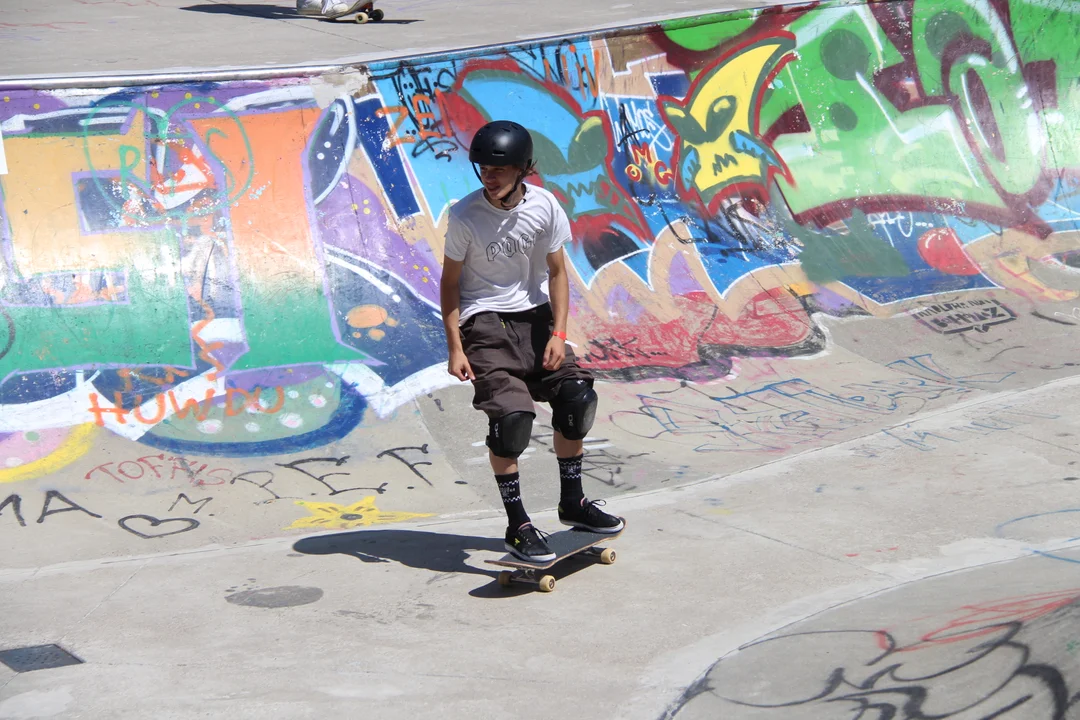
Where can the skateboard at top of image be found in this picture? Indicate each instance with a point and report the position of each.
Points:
(565, 543)
(363, 13)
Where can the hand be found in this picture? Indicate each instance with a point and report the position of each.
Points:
(459, 366)
(554, 353)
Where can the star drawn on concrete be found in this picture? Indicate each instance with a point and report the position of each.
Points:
(331, 516)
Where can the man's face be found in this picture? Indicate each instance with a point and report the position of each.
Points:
(498, 181)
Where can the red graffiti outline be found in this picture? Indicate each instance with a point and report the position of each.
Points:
(630, 213)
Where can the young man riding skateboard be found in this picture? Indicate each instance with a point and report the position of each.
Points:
(505, 296)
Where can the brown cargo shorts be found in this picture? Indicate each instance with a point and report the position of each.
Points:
(506, 353)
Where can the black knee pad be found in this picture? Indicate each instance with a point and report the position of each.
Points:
(510, 435)
(573, 409)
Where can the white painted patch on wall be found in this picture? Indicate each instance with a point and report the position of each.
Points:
(383, 398)
(223, 330)
(59, 411)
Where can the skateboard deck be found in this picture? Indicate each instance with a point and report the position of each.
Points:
(363, 13)
(565, 543)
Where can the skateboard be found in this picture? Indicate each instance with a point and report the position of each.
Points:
(564, 544)
(363, 13)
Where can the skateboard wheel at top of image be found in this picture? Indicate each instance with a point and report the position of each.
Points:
(546, 584)
(505, 578)
(377, 15)
(362, 17)
(607, 557)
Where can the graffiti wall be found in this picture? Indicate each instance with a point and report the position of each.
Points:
(251, 269)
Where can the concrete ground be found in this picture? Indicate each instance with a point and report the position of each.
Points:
(89, 38)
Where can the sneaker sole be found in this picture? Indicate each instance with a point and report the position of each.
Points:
(526, 558)
(590, 528)
(355, 7)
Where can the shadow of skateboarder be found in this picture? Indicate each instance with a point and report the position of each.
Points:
(437, 552)
(440, 553)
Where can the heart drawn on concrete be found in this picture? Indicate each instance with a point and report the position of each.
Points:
(132, 523)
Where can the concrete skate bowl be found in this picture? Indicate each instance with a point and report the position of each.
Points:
(793, 229)
(981, 644)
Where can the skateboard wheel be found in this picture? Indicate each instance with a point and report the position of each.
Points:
(377, 15)
(504, 578)
(362, 17)
(546, 584)
(607, 557)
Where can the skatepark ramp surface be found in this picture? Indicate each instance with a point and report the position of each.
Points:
(824, 266)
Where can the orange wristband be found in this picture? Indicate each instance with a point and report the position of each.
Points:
(559, 334)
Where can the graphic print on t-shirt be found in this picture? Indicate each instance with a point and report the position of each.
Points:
(504, 252)
(512, 246)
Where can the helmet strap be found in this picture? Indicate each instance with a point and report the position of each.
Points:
(503, 203)
(517, 184)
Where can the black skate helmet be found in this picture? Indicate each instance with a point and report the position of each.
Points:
(503, 143)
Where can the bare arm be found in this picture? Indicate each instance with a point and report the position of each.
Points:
(450, 299)
(559, 292)
(450, 302)
(558, 288)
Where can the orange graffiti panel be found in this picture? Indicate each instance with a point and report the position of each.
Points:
(270, 226)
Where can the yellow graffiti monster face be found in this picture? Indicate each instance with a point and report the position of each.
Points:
(717, 124)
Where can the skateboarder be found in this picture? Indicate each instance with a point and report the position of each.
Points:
(505, 296)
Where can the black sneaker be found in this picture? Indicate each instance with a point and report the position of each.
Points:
(589, 516)
(527, 544)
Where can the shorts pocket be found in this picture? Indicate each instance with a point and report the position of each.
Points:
(467, 330)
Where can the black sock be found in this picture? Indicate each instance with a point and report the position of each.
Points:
(510, 490)
(570, 494)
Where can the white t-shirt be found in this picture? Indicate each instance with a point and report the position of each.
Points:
(505, 251)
